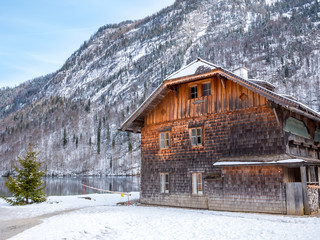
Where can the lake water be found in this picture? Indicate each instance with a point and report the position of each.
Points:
(62, 186)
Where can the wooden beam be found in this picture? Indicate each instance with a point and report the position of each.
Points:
(276, 115)
(223, 81)
(293, 109)
(103, 190)
(313, 186)
(304, 190)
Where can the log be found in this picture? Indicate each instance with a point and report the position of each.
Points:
(102, 190)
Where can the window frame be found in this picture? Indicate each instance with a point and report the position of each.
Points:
(164, 140)
(207, 91)
(312, 173)
(164, 183)
(196, 136)
(197, 183)
(194, 95)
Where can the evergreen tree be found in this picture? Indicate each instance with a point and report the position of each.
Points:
(108, 131)
(129, 146)
(27, 186)
(113, 143)
(77, 141)
(65, 140)
(99, 137)
(87, 107)
(286, 71)
(129, 142)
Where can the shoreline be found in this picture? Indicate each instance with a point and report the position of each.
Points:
(11, 227)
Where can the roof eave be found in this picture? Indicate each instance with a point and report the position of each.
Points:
(126, 124)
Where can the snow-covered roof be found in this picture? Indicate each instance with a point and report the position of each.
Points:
(238, 163)
(264, 83)
(196, 67)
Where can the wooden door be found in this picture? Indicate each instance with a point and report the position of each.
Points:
(294, 198)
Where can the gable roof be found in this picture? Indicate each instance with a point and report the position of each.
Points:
(201, 69)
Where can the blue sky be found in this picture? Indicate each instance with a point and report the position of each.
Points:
(36, 36)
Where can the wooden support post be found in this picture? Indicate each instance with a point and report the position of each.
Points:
(223, 81)
(304, 190)
(276, 115)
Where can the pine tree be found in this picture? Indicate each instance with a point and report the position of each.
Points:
(65, 140)
(27, 186)
(113, 143)
(286, 71)
(99, 137)
(108, 131)
(87, 107)
(129, 146)
(77, 141)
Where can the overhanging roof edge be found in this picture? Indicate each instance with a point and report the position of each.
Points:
(142, 107)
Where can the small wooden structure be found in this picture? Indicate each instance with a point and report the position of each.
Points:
(212, 139)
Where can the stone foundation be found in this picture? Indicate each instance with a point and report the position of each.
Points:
(313, 199)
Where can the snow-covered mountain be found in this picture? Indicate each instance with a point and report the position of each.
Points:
(72, 115)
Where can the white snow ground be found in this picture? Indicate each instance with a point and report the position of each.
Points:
(101, 218)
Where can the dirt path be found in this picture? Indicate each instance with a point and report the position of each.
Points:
(12, 227)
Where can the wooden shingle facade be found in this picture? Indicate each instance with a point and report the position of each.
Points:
(212, 139)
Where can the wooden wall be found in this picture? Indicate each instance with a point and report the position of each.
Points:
(225, 96)
(248, 131)
(249, 189)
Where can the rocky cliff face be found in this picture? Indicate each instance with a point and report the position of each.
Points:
(72, 115)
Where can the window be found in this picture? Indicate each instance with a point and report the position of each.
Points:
(196, 136)
(197, 183)
(296, 127)
(194, 92)
(312, 175)
(164, 182)
(164, 140)
(206, 89)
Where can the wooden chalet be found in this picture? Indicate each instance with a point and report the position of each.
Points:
(214, 139)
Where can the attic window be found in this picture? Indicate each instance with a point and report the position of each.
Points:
(296, 127)
(194, 92)
(206, 89)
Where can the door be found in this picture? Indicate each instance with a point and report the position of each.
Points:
(294, 198)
